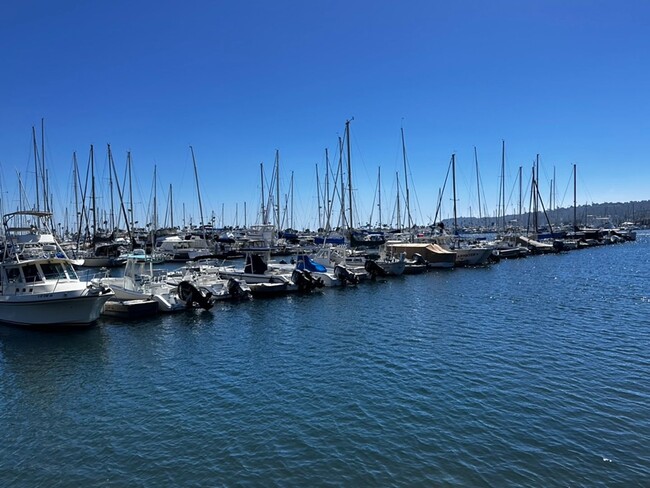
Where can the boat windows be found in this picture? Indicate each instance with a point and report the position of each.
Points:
(72, 274)
(13, 274)
(30, 271)
(53, 271)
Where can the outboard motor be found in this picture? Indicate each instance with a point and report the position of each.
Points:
(238, 290)
(419, 259)
(374, 269)
(344, 274)
(192, 296)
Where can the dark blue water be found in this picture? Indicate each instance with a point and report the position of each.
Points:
(533, 372)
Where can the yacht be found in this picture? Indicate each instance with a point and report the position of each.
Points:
(38, 284)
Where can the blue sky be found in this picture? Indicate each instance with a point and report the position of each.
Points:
(567, 80)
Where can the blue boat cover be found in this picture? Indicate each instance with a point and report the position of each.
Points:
(304, 262)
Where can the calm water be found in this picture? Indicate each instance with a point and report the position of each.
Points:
(533, 372)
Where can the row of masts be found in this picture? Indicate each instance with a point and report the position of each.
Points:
(88, 221)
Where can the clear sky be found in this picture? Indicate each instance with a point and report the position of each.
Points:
(238, 80)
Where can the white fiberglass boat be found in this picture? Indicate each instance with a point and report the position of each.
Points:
(38, 284)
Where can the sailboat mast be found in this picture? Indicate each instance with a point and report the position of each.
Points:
(453, 181)
(379, 193)
(277, 189)
(92, 187)
(75, 172)
(292, 201)
(347, 133)
(46, 207)
(110, 189)
(263, 200)
(128, 158)
(171, 205)
(318, 200)
(478, 185)
(155, 204)
(198, 190)
(36, 170)
(328, 200)
(406, 182)
(575, 203)
(399, 216)
(503, 183)
(520, 189)
(340, 171)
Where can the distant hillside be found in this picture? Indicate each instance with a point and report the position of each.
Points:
(589, 215)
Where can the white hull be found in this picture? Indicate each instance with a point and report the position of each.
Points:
(167, 301)
(54, 309)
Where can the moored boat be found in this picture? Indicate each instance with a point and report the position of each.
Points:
(39, 286)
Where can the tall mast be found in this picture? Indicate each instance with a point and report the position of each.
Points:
(198, 190)
(75, 172)
(128, 159)
(92, 188)
(520, 189)
(399, 216)
(379, 193)
(340, 171)
(347, 133)
(155, 204)
(453, 180)
(43, 172)
(36, 170)
(328, 201)
(292, 223)
(318, 200)
(478, 184)
(121, 196)
(171, 205)
(263, 200)
(110, 188)
(277, 189)
(575, 203)
(503, 183)
(406, 182)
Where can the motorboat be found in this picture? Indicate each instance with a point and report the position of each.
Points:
(140, 280)
(38, 284)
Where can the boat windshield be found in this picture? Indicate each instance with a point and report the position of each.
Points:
(54, 271)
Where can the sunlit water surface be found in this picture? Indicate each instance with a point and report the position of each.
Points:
(532, 372)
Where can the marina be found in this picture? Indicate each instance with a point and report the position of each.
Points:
(528, 372)
(305, 244)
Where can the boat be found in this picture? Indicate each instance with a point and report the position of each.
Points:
(38, 284)
(336, 276)
(130, 309)
(433, 254)
(181, 249)
(141, 281)
(204, 275)
(267, 278)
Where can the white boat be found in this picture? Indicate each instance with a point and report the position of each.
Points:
(38, 284)
(183, 249)
(265, 277)
(328, 276)
(140, 281)
(344, 261)
(204, 275)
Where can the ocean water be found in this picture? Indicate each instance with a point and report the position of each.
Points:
(531, 372)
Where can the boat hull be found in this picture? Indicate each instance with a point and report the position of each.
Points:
(55, 310)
